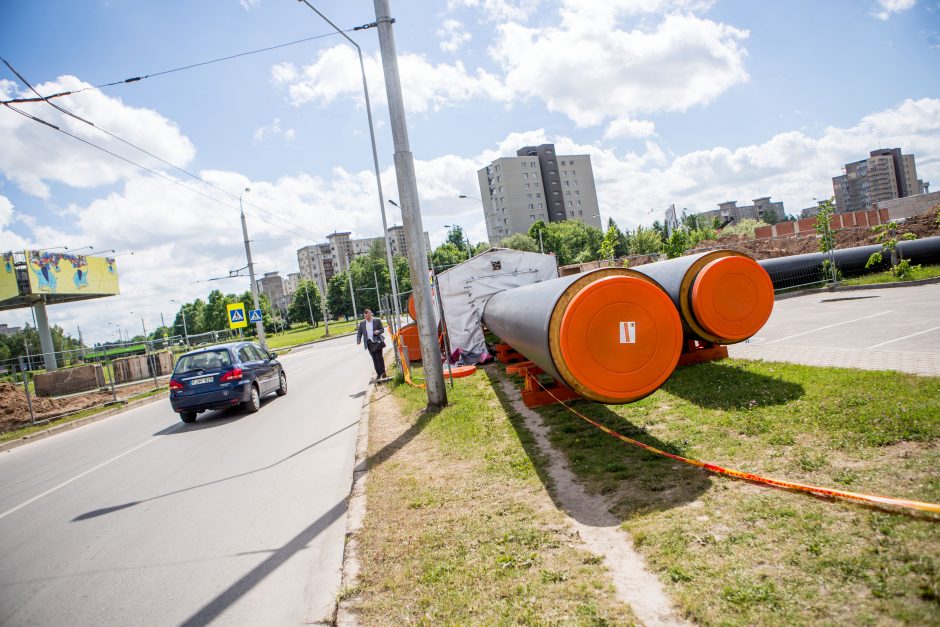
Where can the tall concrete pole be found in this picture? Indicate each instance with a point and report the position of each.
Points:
(259, 326)
(411, 213)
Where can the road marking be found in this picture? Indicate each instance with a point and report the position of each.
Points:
(76, 478)
(905, 337)
(828, 326)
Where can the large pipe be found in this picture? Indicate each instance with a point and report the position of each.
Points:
(612, 335)
(797, 270)
(722, 296)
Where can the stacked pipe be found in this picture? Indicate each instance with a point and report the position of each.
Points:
(615, 335)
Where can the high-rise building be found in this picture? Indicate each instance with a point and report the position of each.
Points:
(319, 262)
(885, 175)
(537, 184)
(292, 283)
(272, 286)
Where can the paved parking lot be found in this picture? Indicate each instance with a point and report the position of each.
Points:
(876, 329)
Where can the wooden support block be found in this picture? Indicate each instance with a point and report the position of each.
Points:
(698, 352)
(519, 368)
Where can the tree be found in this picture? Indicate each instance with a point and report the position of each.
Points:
(305, 306)
(520, 241)
(457, 237)
(447, 255)
(645, 241)
(660, 230)
(338, 302)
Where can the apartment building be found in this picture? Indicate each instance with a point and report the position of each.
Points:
(536, 184)
(886, 174)
(320, 262)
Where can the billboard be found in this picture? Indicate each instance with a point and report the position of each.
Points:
(62, 273)
(8, 288)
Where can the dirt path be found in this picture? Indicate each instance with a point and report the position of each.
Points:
(635, 585)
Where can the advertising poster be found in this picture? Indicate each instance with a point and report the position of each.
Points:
(8, 287)
(62, 273)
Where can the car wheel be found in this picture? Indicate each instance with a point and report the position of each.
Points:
(188, 416)
(253, 403)
(282, 388)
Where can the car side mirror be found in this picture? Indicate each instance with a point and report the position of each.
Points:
(272, 355)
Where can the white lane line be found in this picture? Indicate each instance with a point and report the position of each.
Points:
(898, 339)
(77, 477)
(828, 326)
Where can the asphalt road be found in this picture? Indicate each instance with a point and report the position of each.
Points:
(235, 519)
(897, 328)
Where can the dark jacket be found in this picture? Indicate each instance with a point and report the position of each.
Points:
(377, 330)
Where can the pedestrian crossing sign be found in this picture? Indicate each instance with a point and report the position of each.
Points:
(236, 316)
(254, 315)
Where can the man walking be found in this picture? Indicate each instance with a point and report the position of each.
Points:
(371, 330)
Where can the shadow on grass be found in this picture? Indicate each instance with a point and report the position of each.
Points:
(628, 479)
(724, 386)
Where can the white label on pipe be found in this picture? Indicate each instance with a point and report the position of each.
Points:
(628, 332)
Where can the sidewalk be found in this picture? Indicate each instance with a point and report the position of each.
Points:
(874, 329)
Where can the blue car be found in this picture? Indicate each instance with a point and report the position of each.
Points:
(222, 376)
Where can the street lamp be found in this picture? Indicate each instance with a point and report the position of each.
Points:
(375, 162)
(259, 326)
(183, 313)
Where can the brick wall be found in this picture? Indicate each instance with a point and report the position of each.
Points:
(69, 380)
(857, 219)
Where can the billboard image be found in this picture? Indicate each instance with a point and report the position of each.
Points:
(62, 273)
(8, 288)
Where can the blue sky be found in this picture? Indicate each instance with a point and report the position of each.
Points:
(691, 102)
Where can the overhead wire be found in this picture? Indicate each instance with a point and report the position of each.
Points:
(135, 79)
(291, 229)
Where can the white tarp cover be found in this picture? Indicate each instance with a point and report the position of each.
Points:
(465, 288)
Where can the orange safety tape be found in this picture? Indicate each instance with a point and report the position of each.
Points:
(396, 340)
(789, 485)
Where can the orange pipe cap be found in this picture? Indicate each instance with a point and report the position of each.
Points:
(411, 308)
(732, 298)
(620, 338)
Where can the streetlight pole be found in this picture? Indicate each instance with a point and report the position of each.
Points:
(183, 314)
(309, 308)
(375, 159)
(259, 326)
(411, 213)
(352, 295)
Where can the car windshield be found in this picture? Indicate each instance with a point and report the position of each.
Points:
(206, 360)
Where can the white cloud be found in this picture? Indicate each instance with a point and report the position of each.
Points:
(35, 154)
(425, 85)
(892, 6)
(273, 130)
(248, 5)
(453, 35)
(591, 70)
(498, 10)
(625, 128)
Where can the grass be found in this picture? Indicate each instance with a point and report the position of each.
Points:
(733, 553)
(917, 273)
(303, 333)
(459, 528)
(84, 413)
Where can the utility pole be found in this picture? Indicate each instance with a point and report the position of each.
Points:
(352, 294)
(411, 213)
(309, 308)
(259, 326)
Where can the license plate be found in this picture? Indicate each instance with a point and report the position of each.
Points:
(201, 380)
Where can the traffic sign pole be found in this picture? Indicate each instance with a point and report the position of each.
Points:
(251, 275)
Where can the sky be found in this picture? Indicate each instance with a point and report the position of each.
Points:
(691, 102)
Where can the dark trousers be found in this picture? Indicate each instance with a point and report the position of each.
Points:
(377, 360)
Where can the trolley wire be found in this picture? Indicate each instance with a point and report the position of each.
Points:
(135, 79)
(64, 111)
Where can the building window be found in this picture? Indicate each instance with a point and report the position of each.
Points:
(570, 203)
(531, 206)
(551, 173)
(572, 172)
(528, 185)
(564, 172)
(525, 175)
(577, 192)
(536, 185)
(579, 203)
(567, 183)
(554, 193)
(529, 196)
(580, 213)
(568, 193)
(540, 205)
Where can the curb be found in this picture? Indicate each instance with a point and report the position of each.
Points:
(854, 288)
(81, 422)
(355, 516)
